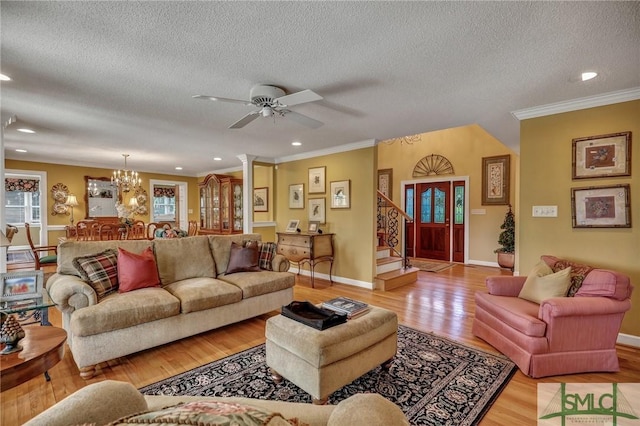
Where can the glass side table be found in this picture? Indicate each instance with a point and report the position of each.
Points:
(31, 311)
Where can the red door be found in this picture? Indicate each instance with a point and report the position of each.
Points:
(432, 220)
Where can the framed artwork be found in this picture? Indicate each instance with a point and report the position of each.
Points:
(313, 226)
(602, 156)
(296, 196)
(317, 180)
(341, 194)
(261, 199)
(292, 225)
(316, 210)
(495, 180)
(385, 182)
(21, 285)
(601, 207)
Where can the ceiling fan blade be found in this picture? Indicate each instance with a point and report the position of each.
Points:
(303, 119)
(245, 120)
(217, 98)
(298, 98)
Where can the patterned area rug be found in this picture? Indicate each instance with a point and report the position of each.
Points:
(435, 381)
(427, 266)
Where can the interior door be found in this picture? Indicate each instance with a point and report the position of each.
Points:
(433, 220)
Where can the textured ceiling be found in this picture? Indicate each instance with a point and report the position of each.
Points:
(99, 79)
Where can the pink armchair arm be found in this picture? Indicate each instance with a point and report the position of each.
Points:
(505, 285)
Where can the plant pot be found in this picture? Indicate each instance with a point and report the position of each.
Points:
(506, 260)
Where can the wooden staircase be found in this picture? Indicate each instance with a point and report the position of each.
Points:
(390, 272)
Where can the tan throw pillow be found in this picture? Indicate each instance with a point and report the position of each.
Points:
(542, 283)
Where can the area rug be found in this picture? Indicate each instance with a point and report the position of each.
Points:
(427, 266)
(19, 256)
(435, 381)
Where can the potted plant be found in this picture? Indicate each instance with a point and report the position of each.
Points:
(507, 241)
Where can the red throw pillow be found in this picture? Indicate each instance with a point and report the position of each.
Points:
(137, 271)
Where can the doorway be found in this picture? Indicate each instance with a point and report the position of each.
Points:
(169, 202)
(440, 218)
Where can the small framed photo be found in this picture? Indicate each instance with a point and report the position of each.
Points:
(601, 207)
(495, 180)
(296, 196)
(261, 199)
(292, 225)
(602, 156)
(313, 226)
(317, 180)
(385, 182)
(21, 285)
(341, 194)
(317, 210)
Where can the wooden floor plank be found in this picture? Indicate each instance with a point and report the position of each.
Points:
(441, 302)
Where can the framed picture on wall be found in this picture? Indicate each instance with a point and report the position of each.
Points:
(495, 180)
(385, 182)
(317, 180)
(296, 196)
(601, 207)
(261, 199)
(602, 156)
(340, 194)
(317, 210)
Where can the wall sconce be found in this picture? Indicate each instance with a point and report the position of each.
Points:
(72, 202)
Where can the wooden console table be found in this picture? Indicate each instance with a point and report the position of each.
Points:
(307, 248)
(43, 347)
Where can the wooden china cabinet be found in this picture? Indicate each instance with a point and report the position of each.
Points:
(220, 205)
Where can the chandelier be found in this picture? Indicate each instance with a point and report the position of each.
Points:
(126, 180)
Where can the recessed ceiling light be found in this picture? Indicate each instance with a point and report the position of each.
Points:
(4, 77)
(21, 150)
(296, 143)
(217, 159)
(589, 75)
(23, 130)
(178, 168)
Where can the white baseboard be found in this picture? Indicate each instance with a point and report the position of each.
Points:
(337, 279)
(629, 340)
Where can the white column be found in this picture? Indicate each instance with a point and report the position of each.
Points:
(247, 192)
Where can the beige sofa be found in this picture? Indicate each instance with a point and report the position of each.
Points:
(107, 401)
(196, 295)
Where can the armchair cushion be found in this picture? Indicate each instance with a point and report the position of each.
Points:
(542, 283)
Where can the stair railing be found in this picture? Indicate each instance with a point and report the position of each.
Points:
(389, 219)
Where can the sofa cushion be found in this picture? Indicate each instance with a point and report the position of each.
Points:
(122, 310)
(69, 250)
(136, 271)
(243, 258)
(606, 283)
(183, 258)
(100, 271)
(198, 294)
(207, 412)
(542, 283)
(256, 283)
(515, 312)
(578, 274)
(267, 252)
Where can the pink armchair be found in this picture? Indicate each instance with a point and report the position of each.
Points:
(562, 335)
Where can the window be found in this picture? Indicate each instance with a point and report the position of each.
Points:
(164, 206)
(22, 200)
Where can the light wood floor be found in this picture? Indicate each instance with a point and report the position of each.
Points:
(439, 302)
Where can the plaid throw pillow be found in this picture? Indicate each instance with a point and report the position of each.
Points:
(100, 271)
(267, 252)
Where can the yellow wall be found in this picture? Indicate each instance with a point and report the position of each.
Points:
(263, 178)
(546, 152)
(464, 147)
(354, 228)
(73, 178)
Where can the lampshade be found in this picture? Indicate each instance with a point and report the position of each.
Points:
(72, 201)
(133, 202)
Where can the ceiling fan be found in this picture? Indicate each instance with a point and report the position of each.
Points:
(272, 101)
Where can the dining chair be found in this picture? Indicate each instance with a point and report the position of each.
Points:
(193, 228)
(108, 231)
(153, 226)
(137, 231)
(83, 230)
(38, 251)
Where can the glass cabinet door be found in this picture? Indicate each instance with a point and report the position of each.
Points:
(225, 192)
(237, 206)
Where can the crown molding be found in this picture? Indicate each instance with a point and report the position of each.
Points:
(578, 104)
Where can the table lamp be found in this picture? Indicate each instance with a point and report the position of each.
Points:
(72, 202)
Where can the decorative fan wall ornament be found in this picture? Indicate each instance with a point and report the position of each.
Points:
(432, 165)
(59, 193)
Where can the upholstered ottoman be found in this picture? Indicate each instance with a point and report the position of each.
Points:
(321, 362)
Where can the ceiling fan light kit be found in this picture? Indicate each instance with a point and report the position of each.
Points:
(272, 101)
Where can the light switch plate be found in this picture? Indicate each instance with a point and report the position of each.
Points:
(545, 211)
